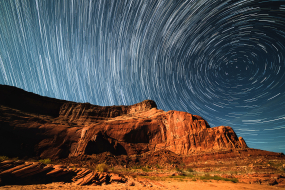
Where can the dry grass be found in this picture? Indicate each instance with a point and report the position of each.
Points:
(45, 161)
(102, 168)
(190, 177)
(2, 158)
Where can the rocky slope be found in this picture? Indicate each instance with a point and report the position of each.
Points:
(20, 172)
(32, 125)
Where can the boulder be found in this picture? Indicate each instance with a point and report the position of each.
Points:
(272, 182)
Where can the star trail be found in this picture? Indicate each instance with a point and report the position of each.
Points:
(222, 60)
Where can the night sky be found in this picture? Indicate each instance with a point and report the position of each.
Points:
(220, 59)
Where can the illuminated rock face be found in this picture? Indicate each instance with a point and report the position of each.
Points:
(55, 128)
(152, 130)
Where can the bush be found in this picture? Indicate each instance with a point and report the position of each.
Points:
(158, 166)
(136, 167)
(178, 169)
(146, 168)
(208, 177)
(2, 158)
(190, 170)
(102, 168)
(45, 161)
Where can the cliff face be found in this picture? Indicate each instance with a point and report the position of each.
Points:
(152, 130)
(32, 125)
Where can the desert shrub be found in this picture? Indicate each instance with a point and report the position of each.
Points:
(208, 177)
(146, 168)
(155, 178)
(102, 168)
(181, 177)
(45, 161)
(158, 166)
(136, 167)
(2, 158)
(189, 170)
(178, 169)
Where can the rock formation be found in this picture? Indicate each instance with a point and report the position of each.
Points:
(19, 172)
(32, 125)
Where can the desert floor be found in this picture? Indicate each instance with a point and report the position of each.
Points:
(197, 185)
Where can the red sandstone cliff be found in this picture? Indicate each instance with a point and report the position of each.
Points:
(32, 125)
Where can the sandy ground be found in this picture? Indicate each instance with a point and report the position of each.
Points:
(197, 185)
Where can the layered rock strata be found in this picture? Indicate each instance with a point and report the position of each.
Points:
(20, 172)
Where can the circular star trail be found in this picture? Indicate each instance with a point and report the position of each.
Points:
(222, 60)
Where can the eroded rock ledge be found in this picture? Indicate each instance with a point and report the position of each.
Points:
(20, 172)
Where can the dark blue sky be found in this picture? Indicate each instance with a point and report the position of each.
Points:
(223, 60)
